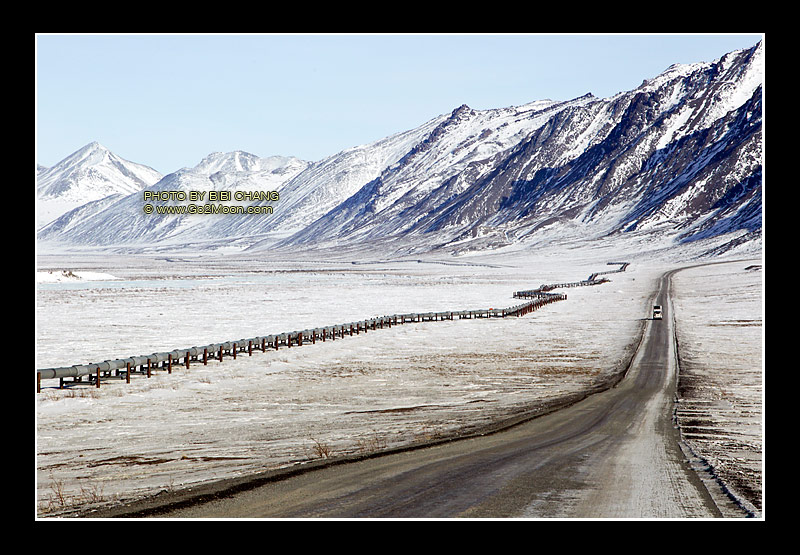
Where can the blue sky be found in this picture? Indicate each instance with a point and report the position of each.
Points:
(169, 100)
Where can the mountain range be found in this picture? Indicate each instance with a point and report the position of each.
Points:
(680, 156)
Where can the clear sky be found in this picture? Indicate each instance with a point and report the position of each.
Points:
(167, 101)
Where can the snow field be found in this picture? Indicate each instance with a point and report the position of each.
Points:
(385, 388)
(720, 328)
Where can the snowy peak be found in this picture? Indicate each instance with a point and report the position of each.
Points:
(94, 170)
(92, 154)
(90, 173)
(236, 161)
(240, 161)
(239, 169)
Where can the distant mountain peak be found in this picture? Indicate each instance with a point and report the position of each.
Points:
(242, 161)
(237, 160)
(92, 153)
(90, 173)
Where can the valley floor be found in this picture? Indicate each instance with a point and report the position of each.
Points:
(383, 389)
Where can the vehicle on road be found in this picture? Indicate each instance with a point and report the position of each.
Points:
(657, 313)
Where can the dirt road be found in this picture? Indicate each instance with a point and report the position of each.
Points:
(613, 455)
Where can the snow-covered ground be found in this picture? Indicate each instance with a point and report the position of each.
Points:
(68, 276)
(720, 328)
(376, 390)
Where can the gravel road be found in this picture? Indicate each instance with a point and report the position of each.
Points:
(614, 454)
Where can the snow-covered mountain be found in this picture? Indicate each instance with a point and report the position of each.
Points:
(120, 220)
(680, 156)
(307, 191)
(88, 174)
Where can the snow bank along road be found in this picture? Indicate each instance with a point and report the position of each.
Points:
(614, 454)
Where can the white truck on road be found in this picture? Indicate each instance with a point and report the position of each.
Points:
(657, 314)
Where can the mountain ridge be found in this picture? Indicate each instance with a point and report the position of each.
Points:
(541, 179)
(681, 154)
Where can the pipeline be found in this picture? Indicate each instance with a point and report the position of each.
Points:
(146, 364)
